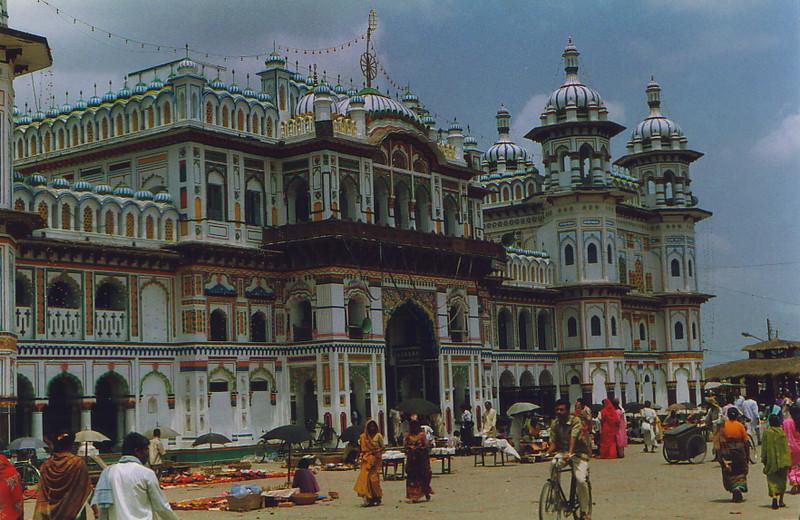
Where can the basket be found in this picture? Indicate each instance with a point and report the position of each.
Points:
(304, 499)
(246, 503)
(334, 458)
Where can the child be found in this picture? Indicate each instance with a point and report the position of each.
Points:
(777, 460)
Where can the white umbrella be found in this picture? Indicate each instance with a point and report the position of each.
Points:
(88, 436)
(166, 432)
(521, 407)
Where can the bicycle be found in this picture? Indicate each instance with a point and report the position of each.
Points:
(29, 476)
(553, 502)
(753, 449)
(326, 439)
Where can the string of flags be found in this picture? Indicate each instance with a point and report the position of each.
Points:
(159, 47)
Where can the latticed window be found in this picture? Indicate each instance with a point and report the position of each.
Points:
(19, 205)
(240, 121)
(75, 136)
(88, 220)
(47, 142)
(149, 227)
(109, 223)
(167, 114)
(89, 133)
(129, 225)
(225, 117)
(209, 113)
(33, 146)
(282, 97)
(120, 125)
(66, 217)
(104, 128)
(168, 232)
(269, 127)
(151, 118)
(60, 138)
(20, 149)
(134, 122)
(44, 211)
(255, 129)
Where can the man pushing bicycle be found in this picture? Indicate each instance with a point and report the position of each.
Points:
(568, 440)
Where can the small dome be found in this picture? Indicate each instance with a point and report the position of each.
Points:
(264, 97)
(321, 90)
(455, 127)
(109, 97)
(249, 93)
(59, 183)
(66, 108)
(94, 101)
(163, 198)
(656, 126)
(123, 191)
(140, 88)
(80, 105)
(504, 150)
(16, 111)
(298, 78)
(217, 84)
(379, 106)
(39, 116)
(103, 189)
(81, 186)
(234, 89)
(18, 177)
(409, 97)
(310, 81)
(274, 59)
(124, 92)
(25, 120)
(351, 92)
(36, 180)
(143, 195)
(573, 92)
(340, 90)
(470, 143)
(357, 100)
(306, 103)
(187, 66)
(429, 121)
(53, 112)
(156, 84)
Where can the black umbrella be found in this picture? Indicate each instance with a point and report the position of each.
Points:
(352, 433)
(211, 438)
(633, 407)
(418, 406)
(292, 434)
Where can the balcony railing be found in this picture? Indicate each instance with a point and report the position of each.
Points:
(24, 316)
(110, 325)
(64, 323)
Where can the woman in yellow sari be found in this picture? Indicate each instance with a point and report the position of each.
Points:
(368, 484)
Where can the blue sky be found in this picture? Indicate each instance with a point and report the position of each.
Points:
(728, 72)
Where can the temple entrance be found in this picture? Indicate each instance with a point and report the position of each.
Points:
(108, 412)
(24, 412)
(62, 411)
(412, 367)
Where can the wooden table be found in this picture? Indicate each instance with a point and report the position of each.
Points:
(446, 460)
(481, 451)
(395, 464)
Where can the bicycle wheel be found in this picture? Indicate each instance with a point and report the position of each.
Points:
(29, 475)
(753, 449)
(696, 449)
(576, 513)
(551, 502)
(261, 451)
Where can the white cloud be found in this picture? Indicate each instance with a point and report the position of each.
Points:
(527, 118)
(783, 143)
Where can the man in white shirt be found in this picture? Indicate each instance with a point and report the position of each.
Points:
(750, 410)
(157, 451)
(649, 418)
(128, 490)
(489, 427)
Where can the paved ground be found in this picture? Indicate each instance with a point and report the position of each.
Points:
(640, 486)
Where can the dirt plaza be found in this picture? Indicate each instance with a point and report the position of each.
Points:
(639, 486)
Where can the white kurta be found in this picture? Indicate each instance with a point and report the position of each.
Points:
(137, 495)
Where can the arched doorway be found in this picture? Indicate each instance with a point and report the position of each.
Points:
(24, 411)
(62, 411)
(108, 412)
(412, 354)
(508, 391)
(306, 410)
(359, 400)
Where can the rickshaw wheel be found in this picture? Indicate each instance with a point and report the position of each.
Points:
(666, 456)
(696, 445)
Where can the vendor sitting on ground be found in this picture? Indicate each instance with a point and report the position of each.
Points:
(304, 478)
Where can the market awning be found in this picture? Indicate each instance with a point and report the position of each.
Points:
(754, 367)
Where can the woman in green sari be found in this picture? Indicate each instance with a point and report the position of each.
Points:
(776, 459)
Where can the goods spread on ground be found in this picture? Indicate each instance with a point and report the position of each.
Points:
(200, 504)
(198, 478)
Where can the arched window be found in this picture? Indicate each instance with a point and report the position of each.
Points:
(225, 117)
(109, 223)
(120, 125)
(591, 254)
(61, 294)
(88, 220)
(399, 160)
(689, 269)
(218, 326)
(282, 97)
(258, 328)
(130, 225)
(613, 326)
(610, 254)
(678, 330)
(168, 230)
(269, 127)
(642, 332)
(594, 325)
(109, 297)
(694, 330)
(541, 330)
(572, 327)
(66, 216)
(167, 111)
(569, 255)
(209, 113)
(503, 329)
(675, 267)
(60, 139)
(149, 227)
(240, 121)
(104, 128)
(134, 122)
(215, 196)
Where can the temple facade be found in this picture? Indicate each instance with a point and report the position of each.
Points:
(202, 256)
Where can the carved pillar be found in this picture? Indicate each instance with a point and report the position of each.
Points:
(129, 416)
(672, 394)
(37, 422)
(693, 392)
(86, 405)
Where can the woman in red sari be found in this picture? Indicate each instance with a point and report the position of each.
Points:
(418, 464)
(10, 491)
(609, 429)
(368, 484)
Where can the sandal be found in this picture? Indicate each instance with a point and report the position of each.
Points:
(737, 495)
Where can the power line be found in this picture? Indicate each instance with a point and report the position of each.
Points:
(747, 266)
(750, 294)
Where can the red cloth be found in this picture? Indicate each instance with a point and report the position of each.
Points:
(609, 428)
(10, 491)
